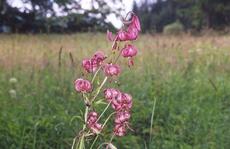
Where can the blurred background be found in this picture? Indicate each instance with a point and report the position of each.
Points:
(180, 81)
(67, 16)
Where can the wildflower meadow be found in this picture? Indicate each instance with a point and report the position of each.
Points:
(127, 91)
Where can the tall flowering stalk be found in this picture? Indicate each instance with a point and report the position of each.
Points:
(119, 101)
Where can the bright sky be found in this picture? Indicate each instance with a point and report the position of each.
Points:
(128, 4)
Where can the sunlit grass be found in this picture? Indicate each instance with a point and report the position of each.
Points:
(189, 77)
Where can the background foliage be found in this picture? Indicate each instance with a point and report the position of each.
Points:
(193, 14)
(187, 76)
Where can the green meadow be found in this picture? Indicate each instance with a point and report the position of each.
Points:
(180, 87)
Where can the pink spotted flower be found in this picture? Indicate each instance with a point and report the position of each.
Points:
(112, 70)
(119, 130)
(92, 122)
(111, 94)
(99, 57)
(123, 101)
(82, 85)
(92, 64)
(129, 51)
(122, 116)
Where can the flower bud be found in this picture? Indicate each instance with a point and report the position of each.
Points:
(82, 85)
(110, 36)
(13, 93)
(129, 51)
(110, 146)
(13, 80)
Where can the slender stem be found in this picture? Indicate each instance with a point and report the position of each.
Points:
(86, 114)
(95, 74)
(107, 119)
(97, 120)
(104, 111)
(117, 57)
(102, 127)
(132, 13)
(86, 99)
(151, 125)
(112, 138)
(114, 42)
(99, 89)
(102, 145)
(94, 141)
(74, 141)
(107, 143)
(82, 145)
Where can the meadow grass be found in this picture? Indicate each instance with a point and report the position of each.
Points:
(187, 77)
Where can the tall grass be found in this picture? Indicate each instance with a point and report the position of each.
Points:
(189, 77)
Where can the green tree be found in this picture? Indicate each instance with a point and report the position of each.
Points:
(76, 17)
(197, 14)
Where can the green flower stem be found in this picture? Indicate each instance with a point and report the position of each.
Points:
(98, 120)
(102, 127)
(95, 74)
(104, 111)
(94, 141)
(107, 119)
(99, 89)
(112, 138)
(82, 143)
(82, 138)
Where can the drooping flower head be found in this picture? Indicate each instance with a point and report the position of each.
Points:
(122, 102)
(111, 94)
(135, 23)
(82, 85)
(89, 65)
(119, 130)
(92, 64)
(122, 35)
(112, 70)
(129, 51)
(92, 117)
(99, 56)
(122, 116)
(131, 33)
(92, 122)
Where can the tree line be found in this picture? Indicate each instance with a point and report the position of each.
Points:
(192, 14)
(75, 18)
